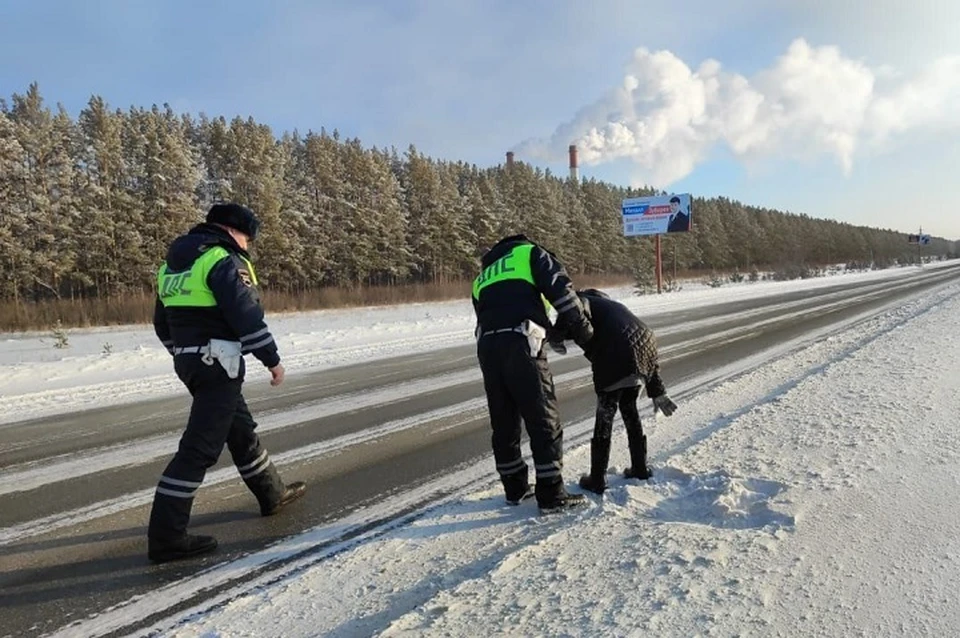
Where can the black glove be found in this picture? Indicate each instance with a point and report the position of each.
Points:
(583, 334)
(664, 404)
(655, 385)
(555, 339)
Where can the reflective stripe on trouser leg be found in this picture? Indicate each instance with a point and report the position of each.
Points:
(549, 470)
(177, 488)
(513, 467)
(255, 467)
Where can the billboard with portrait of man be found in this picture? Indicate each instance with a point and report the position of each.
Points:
(656, 214)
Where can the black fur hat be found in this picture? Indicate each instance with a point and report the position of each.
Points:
(235, 216)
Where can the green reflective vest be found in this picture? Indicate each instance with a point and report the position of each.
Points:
(514, 265)
(189, 288)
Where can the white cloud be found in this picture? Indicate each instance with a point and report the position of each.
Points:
(812, 102)
(927, 100)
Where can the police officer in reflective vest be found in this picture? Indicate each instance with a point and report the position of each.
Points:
(508, 297)
(208, 315)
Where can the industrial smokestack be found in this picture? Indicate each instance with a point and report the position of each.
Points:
(574, 168)
(509, 159)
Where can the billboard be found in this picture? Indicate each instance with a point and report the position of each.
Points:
(656, 214)
(918, 239)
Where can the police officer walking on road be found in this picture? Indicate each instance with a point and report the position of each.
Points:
(208, 315)
(508, 297)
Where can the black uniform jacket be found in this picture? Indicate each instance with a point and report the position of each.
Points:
(506, 304)
(238, 315)
(622, 345)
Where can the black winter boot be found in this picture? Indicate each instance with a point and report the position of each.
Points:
(515, 500)
(290, 493)
(596, 481)
(163, 551)
(169, 517)
(267, 486)
(553, 497)
(561, 502)
(516, 487)
(638, 456)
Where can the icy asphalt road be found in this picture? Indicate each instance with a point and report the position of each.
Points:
(76, 488)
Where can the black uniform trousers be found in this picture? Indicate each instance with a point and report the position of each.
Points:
(520, 386)
(218, 416)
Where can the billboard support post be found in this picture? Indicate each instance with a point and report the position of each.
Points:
(659, 267)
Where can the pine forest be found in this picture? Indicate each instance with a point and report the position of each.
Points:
(89, 204)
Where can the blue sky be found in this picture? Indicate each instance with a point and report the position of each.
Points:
(471, 79)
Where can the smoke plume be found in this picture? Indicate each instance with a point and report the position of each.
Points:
(813, 101)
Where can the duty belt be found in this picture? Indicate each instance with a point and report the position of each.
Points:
(534, 332)
(228, 353)
(192, 349)
(499, 330)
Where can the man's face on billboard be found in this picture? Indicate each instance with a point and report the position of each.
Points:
(674, 207)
